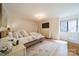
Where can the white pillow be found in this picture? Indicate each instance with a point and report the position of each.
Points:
(15, 35)
(36, 35)
(24, 33)
(10, 35)
(33, 33)
(19, 34)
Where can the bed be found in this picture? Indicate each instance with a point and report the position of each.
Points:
(27, 39)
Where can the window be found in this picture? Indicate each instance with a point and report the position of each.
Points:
(72, 26)
(63, 26)
(69, 26)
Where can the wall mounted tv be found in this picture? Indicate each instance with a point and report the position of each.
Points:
(45, 25)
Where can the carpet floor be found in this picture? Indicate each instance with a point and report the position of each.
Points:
(48, 48)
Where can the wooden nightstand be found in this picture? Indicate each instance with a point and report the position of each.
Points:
(3, 33)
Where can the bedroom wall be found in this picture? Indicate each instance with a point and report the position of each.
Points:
(4, 16)
(17, 23)
(44, 31)
(53, 30)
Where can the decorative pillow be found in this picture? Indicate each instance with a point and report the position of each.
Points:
(10, 35)
(36, 35)
(19, 34)
(15, 35)
(33, 33)
(24, 33)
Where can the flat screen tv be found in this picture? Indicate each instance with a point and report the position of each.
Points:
(45, 25)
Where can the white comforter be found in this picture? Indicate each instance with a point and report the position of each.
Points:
(25, 39)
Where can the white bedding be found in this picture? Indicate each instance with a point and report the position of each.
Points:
(25, 39)
(33, 36)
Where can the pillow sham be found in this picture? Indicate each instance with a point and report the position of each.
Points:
(10, 35)
(24, 33)
(15, 35)
(36, 35)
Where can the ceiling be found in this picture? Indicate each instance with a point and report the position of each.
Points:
(28, 10)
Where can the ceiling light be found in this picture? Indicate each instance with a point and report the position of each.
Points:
(40, 16)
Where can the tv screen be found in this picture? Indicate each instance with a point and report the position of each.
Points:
(45, 25)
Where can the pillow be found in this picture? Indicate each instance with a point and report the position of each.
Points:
(36, 35)
(19, 34)
(10, 35)
(33, 33)
(15, 35)
(24, 33)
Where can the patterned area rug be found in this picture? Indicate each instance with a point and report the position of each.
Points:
(48, 48)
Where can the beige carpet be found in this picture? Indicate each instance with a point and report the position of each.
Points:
(48, 48)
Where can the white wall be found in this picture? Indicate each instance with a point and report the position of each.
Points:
(4, 16)
(53, 30)
(17, 23)
(45, 31)
(54, 25)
